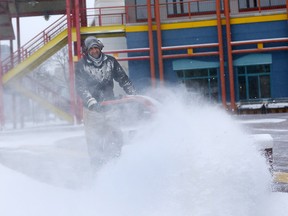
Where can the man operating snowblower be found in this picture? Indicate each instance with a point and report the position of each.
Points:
(95, 74)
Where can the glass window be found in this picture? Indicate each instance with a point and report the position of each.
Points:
(183, 7)
(203, 81)
(242, 87)
(250, 4)
(253, 87)
(141, 9)
(254, 82)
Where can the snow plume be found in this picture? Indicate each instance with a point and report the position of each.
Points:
(192, 160)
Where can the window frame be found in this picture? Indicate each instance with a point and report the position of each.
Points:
(248, 76)
(209, 78)
(181, 5)
(257, 7)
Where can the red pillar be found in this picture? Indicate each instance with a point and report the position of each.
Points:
(83, 12)
(70, 56)
(151, 44)
(159, 41)
(230, 58)
(78, 19)
(18, 38)
(221, 53)
(77, 25)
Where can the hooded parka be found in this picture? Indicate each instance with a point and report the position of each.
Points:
(94, 79)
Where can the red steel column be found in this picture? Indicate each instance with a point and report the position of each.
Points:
(221, 53)
(77, 25)
(70, 56)
(159, 41)
(151, 44)
(83, 12)
(83, 20)
(230, 58)
(18, 40)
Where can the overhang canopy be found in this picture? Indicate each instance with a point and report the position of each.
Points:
(253, 59)
(188, 64)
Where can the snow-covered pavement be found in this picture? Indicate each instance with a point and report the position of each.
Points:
(188, 161)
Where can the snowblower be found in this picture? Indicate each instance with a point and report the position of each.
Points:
(115, 125)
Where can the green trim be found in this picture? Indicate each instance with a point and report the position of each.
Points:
(253, 59)
(188, 64)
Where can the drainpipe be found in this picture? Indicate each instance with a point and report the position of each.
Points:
(221, 53)
(18, 39)
(83, 12)
(230, 59)
(70, 57)
(159, 42)
(151, 44)
(77, 25)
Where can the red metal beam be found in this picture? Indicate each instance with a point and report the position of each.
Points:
(190, 55)
(221, 54)
(70, 57)
(127, 50)
(230, 58)
(77, 25)
(151, 44)
(262, 48)
(159, 41)
(187, 47)
(273, 40)
(194, 46)
(268, 49)
(134, 58)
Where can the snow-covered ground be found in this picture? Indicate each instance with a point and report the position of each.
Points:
(191, 160)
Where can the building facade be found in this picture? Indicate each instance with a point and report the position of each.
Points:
(255, 44)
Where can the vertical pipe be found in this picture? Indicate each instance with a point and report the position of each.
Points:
(259, 6)
(70, 56)
(83, 13)
(18, 40)
(230, 59)
(159, 41)
(221, 53)
(77, 25)
(151, 44)
(78, 49)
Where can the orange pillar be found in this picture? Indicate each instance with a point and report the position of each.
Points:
(159, 42)
(70, 57)
(151, 44)
(221, 53)
(77, 25)
(78, 19)
(230, 58)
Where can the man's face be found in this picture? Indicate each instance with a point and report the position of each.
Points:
(95, 52)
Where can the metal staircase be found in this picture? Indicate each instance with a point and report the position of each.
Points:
(32, 54)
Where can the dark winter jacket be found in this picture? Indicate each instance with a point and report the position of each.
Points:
(96, 80)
